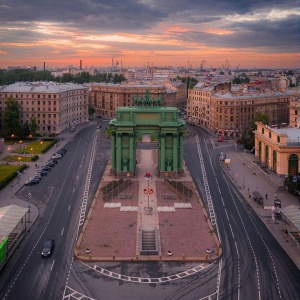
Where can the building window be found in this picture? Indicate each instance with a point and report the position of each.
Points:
(278, 139)
(270, 134)
(262, 130)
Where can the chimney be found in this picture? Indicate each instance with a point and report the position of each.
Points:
(80, 64)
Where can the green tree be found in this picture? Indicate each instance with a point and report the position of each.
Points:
(33, 126)
(11, 120)
(260, 117)
(91, 110)
(67, 77)
(118, 78)
(25, 129)
(236, 80)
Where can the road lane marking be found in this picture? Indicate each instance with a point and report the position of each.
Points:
(69, 208)
(62, 231)
(52, 265)
(172, 277)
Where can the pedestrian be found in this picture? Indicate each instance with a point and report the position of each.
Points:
(266, 196)
(286, 232)
(275, 196)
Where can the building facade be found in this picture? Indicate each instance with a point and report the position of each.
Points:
(295, 113)
(55, 106)
(106, 98)
(229, 110)
(278, 149)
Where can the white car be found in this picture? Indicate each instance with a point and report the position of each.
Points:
(56, 156)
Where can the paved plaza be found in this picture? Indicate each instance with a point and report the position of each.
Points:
(113, 230)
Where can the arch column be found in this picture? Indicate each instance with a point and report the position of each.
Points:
(162, 152)
(113, 150)
(180, 165)
(118, 152)
(131, 153)
(175, 152)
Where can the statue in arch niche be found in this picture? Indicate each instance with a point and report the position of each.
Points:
(125, 162)
(168, 162)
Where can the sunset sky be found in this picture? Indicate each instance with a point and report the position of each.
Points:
(257, 33)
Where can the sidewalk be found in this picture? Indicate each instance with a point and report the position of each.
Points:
(7, 195)
(249, 177)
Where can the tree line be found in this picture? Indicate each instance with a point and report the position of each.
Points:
(12, 76)
(11, 122)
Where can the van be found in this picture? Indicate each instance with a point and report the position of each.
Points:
(257, 197)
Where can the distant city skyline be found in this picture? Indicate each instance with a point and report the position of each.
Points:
(247, 34)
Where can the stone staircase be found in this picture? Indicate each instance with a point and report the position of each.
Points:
(148, 242)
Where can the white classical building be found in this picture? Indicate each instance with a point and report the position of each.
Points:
(55, 106)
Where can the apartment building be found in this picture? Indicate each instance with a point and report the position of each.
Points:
(106, 98)
(229, 110)
(295, 113)
(181, 92)
(55, 106)
(278, 149)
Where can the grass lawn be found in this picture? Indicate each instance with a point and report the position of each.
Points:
(36, 147)
(16, 158)
(5, 171)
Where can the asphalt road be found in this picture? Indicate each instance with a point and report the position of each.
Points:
(253, 262)
(58, 198)
(253, 265)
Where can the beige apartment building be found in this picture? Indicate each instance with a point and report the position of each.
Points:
(55, 106)
(279, 149)
(106, 98)
(295, 113)
(228, 110)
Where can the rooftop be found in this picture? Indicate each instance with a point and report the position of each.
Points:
(40, 87)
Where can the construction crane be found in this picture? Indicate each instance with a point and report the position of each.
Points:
(203, 62)
(226, 65)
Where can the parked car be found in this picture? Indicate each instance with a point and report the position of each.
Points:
(65, 150)
(32, 181)
(47, 168)
(61, 152)
(56, 156)
(42, 172)
(36, 176)
(50, 164)
(53, 160)
(48, 248)
(98, 127)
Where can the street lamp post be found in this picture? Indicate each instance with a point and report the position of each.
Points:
(31, 149)
(42, 149)
(19, 161)
(148, 191)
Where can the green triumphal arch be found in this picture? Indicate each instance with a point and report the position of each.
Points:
(147, 117)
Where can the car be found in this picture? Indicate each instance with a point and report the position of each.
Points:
(54, 160)
(56, 156)
(36, 176)
(48, 248)
(32, 181)
(42, 172)
(98, 127)
(62, 151)
(47, 168)
(50, 164)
